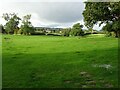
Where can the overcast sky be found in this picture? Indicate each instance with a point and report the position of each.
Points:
(47, 13)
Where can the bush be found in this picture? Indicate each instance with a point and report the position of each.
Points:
(66, 32)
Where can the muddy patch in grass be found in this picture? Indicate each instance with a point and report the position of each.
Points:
(108, 85)
(67, 81)
(34, 77)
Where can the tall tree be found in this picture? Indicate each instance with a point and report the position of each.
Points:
(1, 28)
(77, 30)
(26, 26)
(12, 22)
(103, 12)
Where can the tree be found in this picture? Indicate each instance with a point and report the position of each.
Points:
(103, 12)
(26, 26)
(2, 30)
(116, 28)
(66, 32)
(91, 30)
(77, 30)
(107, 28)
(12, 22)
(112, 27)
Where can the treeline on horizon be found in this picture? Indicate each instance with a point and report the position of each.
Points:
(26, 28)
(94, 13)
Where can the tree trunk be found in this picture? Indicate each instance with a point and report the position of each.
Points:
(92, 31)
(15, 32)
(117, 33)
(8, 32)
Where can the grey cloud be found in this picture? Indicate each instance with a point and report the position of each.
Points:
(51, 14)
(62, 12)
(58, 12)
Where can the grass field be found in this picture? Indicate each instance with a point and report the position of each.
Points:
(59, 62)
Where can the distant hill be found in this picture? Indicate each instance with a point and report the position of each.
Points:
(47, 28)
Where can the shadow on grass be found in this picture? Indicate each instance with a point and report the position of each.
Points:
(59, 69)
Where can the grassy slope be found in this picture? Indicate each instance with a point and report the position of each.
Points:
(44, 61)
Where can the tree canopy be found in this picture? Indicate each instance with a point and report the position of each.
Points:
(26, 26)
(12, 22)
(77, 30)
(103, 12)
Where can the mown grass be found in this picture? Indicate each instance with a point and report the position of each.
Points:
(59, 62)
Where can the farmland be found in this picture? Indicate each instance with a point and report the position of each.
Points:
(59, 62)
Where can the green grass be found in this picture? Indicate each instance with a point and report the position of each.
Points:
(57, 62)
